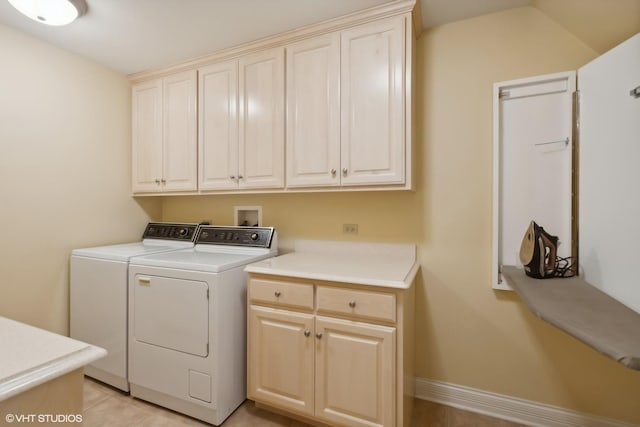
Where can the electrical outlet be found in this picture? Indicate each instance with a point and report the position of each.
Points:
(350, 228)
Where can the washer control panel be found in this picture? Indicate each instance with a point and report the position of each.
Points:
(260, 237)
(170, 231)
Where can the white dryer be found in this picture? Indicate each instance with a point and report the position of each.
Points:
(98, 295)
(187, 327)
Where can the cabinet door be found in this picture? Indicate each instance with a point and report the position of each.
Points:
(355, 366)
(608, 173)
(261, 98)
(372, 91)
(179, 126)
(146, 137)
(218, 126)
(313, 112)
(280, 357)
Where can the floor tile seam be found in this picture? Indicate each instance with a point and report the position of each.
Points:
(102, 398)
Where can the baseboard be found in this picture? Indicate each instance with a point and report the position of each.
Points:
(508, 408)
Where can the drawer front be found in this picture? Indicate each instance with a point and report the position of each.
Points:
(365, 304)
(297, 295)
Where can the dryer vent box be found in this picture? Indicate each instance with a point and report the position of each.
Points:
(250, 216)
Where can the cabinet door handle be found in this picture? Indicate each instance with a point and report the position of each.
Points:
(319, 335)
(164, 181)
(352, 304)
(344, 171)
(307, 333)
(233, 177)
(240, 177)
(144, 281)
(277, 294)
(157, 182)
(333, 172)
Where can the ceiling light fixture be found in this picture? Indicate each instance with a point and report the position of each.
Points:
(51, 12)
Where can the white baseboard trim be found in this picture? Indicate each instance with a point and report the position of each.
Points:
(508, 408)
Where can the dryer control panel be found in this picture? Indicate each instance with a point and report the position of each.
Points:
(260, 237)
(170, 231)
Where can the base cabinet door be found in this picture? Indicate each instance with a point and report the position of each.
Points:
(354, 373)
(280, 359)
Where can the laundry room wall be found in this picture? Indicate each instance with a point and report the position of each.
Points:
(467, 333)
(64, 173)
(470, 334)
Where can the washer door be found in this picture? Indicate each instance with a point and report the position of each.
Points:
(171, 313)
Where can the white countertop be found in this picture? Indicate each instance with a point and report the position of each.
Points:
(30, 356)
(374, 264)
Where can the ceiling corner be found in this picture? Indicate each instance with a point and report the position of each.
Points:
(599, 24)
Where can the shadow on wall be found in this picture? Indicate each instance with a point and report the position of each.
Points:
(152, 206)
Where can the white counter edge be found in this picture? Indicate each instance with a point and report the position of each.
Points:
(48, 371)
(397, 284)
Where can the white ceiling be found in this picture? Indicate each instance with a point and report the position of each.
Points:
(136, 35)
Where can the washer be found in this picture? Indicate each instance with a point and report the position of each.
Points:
(98, 295)
(187, 328)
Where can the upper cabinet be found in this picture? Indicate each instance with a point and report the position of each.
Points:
(241, 123)
(146, 138)
(313, 112)
(326, 107)
(373, 85)
(346, 123)
(164, 149)
(261, 136)
(218, 126)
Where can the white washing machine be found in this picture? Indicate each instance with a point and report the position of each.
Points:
(187, 327)
(98, 295)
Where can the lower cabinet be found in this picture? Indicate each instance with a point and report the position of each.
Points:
(354, 373)
(339, 370)
(281, 361)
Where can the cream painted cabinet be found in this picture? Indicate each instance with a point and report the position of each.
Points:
(313, 112)
(330, 352)
(354, 373)
(218, 126)
(241, 126)
(324, 107)
(374, 122)
(346, 98)
(164, 146)
(261, 137)
(281, 367)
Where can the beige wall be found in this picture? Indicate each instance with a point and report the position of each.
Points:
(64, 166)
(467, 334)
(65, 158)
(472, 335)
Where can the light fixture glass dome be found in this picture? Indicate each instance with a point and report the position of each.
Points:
(51, 12)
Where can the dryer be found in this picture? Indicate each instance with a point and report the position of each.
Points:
(187, 327)
(98, 294)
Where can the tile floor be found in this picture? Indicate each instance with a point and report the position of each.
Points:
(109, 407)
